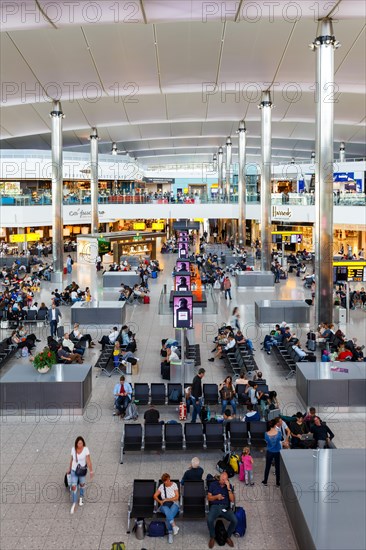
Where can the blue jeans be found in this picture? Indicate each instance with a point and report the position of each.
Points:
(169, 513)
(197, 406)
(216, 511)
(69, 268)
(224, 403)
(53, 328)
(75, 480)
(228, 293)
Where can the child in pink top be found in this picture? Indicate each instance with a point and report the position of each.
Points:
(247, 466)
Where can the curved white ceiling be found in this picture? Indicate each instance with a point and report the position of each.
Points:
(169, 80)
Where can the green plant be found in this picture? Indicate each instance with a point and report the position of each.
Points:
(45, 358)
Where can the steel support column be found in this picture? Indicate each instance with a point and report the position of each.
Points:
(229, 147)
(57, 191)
(242, 193)
(94, 181)
(266, 135)
(324, 45)
(220, 156)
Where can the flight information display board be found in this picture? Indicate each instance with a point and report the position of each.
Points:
(356, 274)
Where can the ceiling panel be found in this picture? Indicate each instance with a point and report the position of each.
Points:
(89, 13)
(4, 134)
(19, 85)
(148, 108)
(216, 128)
(352, 70)
(61, 62)
(350, 108)
(185, 106)
(125, 58)
(154, 130)
(124, 133)
(186, 128)
(195, 10)
(104, 111)
(251, 54)
(23, 120)
(74, 117)
(196, 46)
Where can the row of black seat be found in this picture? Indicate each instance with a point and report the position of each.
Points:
(239, 360)
(193, 502)
(7, 350)
(161, 437)
(286, 356)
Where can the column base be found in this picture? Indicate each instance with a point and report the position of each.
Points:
(56, 277)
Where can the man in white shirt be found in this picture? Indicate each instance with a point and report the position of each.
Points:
(282, 427)
(69, 344)
(110, 339)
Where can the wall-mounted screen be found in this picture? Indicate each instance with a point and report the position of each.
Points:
(183, 311)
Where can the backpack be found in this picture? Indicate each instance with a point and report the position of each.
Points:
(72, 261)
(223, 466)
(220, 533)
(174, 395)
(118, 546)
(131, 412)
(139, 528)
(156, 529)
(234, 462)
(205, 414)
(241, 526)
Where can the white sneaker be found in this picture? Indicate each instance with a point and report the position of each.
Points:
(81, 502)
(170, 538)
(175, 530)
(72, 509)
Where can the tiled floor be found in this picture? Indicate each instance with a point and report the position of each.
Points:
(35, 507)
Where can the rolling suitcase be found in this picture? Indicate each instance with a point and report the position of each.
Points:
(311, 345)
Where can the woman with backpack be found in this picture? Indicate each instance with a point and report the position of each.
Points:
(69, 263)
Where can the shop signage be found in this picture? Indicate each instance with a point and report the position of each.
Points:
(159, 180)
(281, 212)
(81, 214)
(24, 237)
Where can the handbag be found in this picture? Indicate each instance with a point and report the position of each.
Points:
(167, 504)
(80, 471)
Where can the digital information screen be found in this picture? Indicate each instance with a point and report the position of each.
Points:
(182, 250)
(182, 266)
(183, 310)
(182, 282)
(356, 274)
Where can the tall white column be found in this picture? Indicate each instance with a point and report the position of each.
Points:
(94, 181)
(57, 191)
(242, 193)
(266, 134)
(220, 169)
(229, 155)
(342, 152)
(324, 45)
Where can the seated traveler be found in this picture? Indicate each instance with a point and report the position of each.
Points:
(122, 393)
(194, 473)
(167, 496)
(110, 339)
(220, 496)
(251, 414)
(322, 434)
(152, 416)
(68, 357)
(299, 431)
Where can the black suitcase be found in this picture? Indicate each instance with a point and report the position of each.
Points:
(165, 371)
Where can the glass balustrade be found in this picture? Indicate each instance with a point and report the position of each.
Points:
(84, 198)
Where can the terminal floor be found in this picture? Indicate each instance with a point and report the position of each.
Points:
(35, 450)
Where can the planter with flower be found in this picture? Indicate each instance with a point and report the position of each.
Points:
(44, 360)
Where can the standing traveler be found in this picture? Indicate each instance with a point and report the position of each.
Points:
(273, 439)
(227, 287)
(69, 262)
(79, 464)
(54, 316)
(196, 394)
